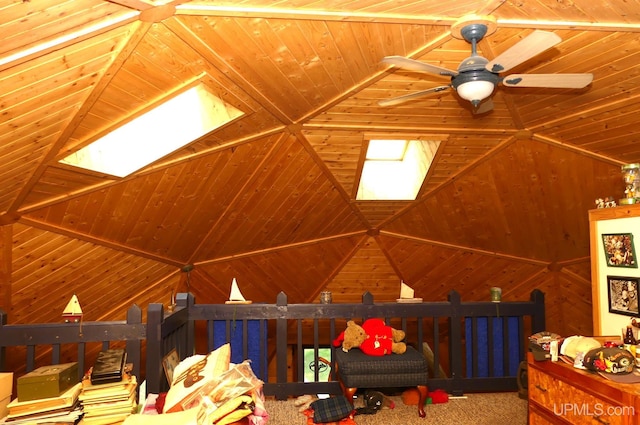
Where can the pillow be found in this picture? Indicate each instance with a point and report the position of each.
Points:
(192, 373)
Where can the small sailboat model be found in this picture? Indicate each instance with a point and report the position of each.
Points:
(236, 297)
(407, 294)
(72, 312)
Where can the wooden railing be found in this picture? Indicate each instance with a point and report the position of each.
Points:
(48, 339)
(277, 334)
(286, 329)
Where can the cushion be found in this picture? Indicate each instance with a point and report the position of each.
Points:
(356, 362)
(356, 369)
(331, 409)
(194, 372)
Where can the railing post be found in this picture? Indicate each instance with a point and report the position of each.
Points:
(281, 346)
(3, 353)
(186, 300)
(538, 324)
(455, 344)
(367, 299)
(134, 317)
(155, 316)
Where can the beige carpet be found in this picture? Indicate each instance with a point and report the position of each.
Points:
(472, 409)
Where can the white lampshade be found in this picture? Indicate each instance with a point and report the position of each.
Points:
(475, 90)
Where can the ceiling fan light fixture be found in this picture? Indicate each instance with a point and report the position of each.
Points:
(475, 91)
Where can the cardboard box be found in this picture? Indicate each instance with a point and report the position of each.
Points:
(6, 385)
(47, 381)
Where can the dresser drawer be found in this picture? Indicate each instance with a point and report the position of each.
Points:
(572, 404)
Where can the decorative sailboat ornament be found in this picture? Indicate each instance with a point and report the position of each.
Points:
(236, 297)
(406, 294)
(72, 312)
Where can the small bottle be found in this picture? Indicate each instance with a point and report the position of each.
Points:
(630, 341)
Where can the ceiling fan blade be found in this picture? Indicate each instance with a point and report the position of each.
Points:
(566, 81)
(411, 96)
(485, 106)
(535, 43)
(414, 65)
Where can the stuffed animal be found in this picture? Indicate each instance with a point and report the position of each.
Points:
(373, 337)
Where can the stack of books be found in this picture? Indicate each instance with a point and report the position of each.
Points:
(64, 409)
(109, 403)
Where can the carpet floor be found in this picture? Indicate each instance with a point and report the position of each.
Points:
(471, 409)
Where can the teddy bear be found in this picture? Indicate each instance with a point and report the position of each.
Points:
(373, 337)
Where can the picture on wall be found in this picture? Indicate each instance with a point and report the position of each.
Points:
(623, 295)
(619, 250)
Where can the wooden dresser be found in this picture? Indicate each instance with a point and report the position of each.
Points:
(562, 394)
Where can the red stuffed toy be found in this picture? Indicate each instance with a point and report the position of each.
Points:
(374, 338)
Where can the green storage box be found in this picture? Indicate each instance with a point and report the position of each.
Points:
(47, 381)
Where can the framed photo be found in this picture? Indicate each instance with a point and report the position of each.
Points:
(623, 295)
(619, 250)
(169, 363)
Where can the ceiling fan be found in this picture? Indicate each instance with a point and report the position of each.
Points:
(477, 77)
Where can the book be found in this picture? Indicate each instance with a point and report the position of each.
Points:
(109, 366)
(113, 391)
(61, 416)
(65, 400)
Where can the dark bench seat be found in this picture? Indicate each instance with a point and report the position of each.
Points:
(354, 370)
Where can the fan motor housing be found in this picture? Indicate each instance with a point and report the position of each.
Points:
(474, 75)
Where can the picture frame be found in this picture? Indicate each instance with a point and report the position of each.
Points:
(169, 363)
(619, 250)
(623, 295)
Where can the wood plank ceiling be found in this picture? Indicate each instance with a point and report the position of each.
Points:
(269, 199)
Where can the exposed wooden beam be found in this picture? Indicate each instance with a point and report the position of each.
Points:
(465, 248)
(6, 244)
(278, 248)
(137, 34)
(451, 179)
(65, 39)
(585, 152)
(98, 241)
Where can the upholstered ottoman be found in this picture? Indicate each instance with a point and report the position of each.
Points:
(354, 370)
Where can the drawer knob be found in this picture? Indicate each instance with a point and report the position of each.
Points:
(544, 390)
(599, 419)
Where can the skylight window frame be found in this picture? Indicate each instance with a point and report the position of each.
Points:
(232, 115)
(428, 144)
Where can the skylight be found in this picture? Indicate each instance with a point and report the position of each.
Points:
(155, 134)
(395, 169)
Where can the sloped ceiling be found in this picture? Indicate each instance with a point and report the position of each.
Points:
(270, 198)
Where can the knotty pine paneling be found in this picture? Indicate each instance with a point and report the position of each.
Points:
(510, 192)
(290, 201)
(457, 153)
(507, 196)
(340, 152)
(434, 270)
(26, 24)
(376, 212)
(106, 281)
(367, 270)
(298, 271)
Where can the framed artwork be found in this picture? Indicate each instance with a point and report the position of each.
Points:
(169, 363)
(619, 250)
(623, 295)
